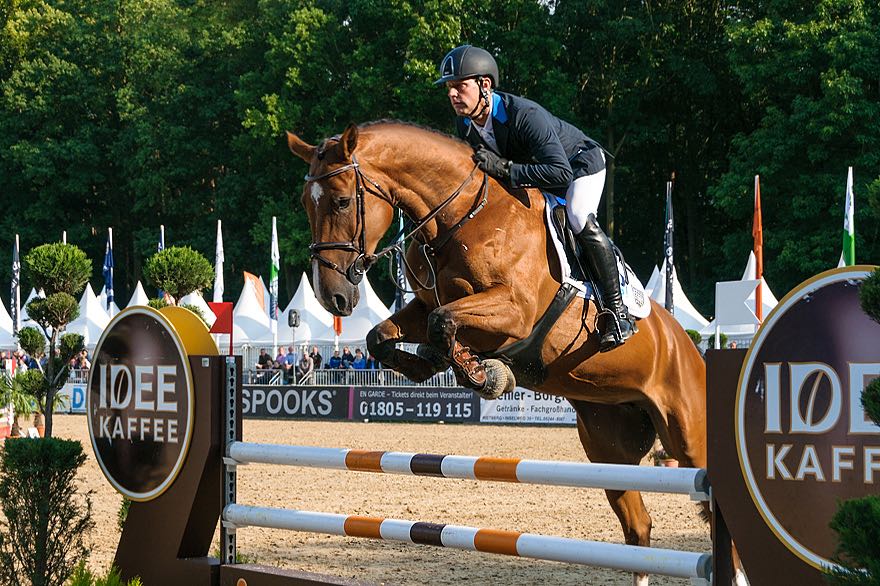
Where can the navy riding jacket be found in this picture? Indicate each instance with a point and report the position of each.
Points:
(546, 152)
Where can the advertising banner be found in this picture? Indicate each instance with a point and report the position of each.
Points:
(525, 406)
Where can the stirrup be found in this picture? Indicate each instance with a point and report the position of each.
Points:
(617, 332)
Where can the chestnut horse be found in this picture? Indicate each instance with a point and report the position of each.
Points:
(494, 278)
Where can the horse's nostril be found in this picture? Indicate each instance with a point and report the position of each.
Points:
(340, 302)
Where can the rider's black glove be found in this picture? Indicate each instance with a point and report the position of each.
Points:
(493, 164)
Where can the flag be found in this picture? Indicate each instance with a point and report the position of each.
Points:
(218, 266)
(159, 248)
(273, 277)
(15, 298)
(848, 254)
(259, 290)
(400, 277)
(223, 324)
(758, 235)
(108, 268)
(667, 241)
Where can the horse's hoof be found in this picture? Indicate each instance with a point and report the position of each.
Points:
(427, 352)
(499, 379)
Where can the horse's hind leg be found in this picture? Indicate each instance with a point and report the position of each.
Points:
(407, 325)
(620, 434)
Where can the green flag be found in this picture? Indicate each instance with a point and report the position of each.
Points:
(848, 254)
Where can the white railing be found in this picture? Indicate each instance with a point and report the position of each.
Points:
(347, 377)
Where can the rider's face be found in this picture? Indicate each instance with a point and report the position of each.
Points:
(464, 95)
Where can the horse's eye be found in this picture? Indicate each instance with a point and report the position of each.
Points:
(344, 202)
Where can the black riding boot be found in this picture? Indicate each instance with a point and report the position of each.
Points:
(598, 257)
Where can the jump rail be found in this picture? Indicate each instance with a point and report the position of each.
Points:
(630, 558)
(689, 481)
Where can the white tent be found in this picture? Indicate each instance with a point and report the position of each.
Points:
(369, 311)
(92, 318)
(314, 319)
(139, 297)
(685, 313)
(768, 302)
(250, 324)
(102, 299)
(24, 318)
(195, 298)
(7, 340)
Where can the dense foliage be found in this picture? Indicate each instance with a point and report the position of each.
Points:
(134, 113)
(47, 518)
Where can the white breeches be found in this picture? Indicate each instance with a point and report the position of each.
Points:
(582, 199)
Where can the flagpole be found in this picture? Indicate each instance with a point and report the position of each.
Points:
(16, 289)
(64, 237)
(669, 302)
(758, 235)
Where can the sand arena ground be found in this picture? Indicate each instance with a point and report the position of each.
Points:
(567, 512)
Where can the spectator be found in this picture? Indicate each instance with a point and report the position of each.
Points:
(305, 367)
(359, 362)
(347, 357)
(280, 358)
(264, 361)
(335, 360)
(83, 360)
(372, 363)
(317, 359)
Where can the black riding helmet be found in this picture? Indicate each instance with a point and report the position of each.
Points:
(468, 61)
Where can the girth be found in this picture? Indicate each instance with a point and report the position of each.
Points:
(524, 356)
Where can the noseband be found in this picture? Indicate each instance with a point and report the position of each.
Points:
(355, 271)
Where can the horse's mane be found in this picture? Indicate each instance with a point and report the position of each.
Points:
(395, 122)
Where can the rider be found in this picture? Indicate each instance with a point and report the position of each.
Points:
(521, 144)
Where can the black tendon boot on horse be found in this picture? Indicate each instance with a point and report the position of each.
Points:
(599, 258)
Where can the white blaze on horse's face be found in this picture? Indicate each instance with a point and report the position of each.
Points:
(317, 192)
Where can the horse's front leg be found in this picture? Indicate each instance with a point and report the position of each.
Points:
(490, 314)
(407, 325)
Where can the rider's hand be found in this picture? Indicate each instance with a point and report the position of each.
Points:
(493, 164)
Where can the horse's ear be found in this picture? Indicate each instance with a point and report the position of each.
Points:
(349, 140)
(299, 147)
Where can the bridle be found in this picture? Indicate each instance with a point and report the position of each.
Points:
(356, 270)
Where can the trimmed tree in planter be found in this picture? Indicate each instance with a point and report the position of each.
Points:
(61, 270)
(179, 270)
(857, 521)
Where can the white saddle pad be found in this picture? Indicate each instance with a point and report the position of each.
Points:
(634, 297)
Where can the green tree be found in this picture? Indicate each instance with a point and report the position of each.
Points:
(809, 72)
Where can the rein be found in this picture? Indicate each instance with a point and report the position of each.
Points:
(363, 261)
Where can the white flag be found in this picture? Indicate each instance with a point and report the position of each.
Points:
(848, 252)
(218, 267)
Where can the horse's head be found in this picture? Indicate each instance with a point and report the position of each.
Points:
(348, 214)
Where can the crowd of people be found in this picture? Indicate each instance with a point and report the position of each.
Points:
(12, 361)
(297, 367)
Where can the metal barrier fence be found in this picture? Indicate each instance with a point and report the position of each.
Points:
(348, 378)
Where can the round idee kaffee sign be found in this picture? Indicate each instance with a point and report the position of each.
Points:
(803, 439)
(140, 403)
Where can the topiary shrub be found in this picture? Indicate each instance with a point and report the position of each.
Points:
(62, 271)
(157, 303)
(869, 295)
(47, 519)
(32, 341)
(179, 270)
(695, 336)
(58, 268)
